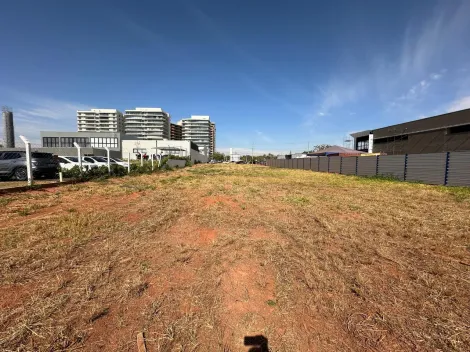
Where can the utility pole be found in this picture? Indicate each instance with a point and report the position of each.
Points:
(308, 147)
(252, 148)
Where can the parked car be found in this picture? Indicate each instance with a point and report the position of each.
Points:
(68, 162)
(96, 160)
(13, 164)
(116, 161)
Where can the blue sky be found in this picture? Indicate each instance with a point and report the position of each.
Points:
(274, 74)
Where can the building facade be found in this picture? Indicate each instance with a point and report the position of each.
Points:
(162, 147)
(198, 130)
(147, 123)
(176, 132)
(212, 140)
(100, 120)
(443, 133)
(54, 139)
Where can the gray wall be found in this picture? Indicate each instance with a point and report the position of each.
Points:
(451, 168)
(175, 163)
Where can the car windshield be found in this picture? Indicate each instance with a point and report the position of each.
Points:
(72, 158)
(100, 159)
(41, 155)
(112, 161)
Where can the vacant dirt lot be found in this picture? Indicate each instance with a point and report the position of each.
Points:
(199, 258)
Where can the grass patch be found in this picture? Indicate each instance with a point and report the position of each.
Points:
(359, 263)
(297, 200)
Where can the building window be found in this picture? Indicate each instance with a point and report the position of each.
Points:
(67, 142)
(100, 142)
(50, 142)
(459, 129)
(363, 145)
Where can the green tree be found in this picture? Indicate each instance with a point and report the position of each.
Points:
(319, 148)
(218, 156)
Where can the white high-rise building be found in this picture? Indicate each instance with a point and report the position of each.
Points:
(147, 123)
(201, 131)
(100, 120)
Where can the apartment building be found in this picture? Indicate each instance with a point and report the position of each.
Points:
(147, 123)
(197, 129)
(212, 141)
(100, 120)
(176, 131)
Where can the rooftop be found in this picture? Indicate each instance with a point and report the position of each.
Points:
(451, 119)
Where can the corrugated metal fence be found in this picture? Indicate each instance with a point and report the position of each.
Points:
(450, 169)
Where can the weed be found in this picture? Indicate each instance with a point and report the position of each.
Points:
(297, 200)
(5, 201)
(24, 212)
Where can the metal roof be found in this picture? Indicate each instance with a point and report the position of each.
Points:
(451, 119)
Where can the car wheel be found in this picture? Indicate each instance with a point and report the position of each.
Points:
(21, 174)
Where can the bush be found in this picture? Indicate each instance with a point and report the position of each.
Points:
(118, 170)
(73, 173)
(136, 169)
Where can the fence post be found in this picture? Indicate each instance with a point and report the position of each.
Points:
(29, 168)
(406, 166)
(447, 168)
(108, 159)
(357, 160)
(341, 165)
(79, 154)
(328, 167)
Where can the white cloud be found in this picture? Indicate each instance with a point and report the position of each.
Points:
(33, 113)
(264, 137)
(460, 104)
(247, 151)
(430, 45)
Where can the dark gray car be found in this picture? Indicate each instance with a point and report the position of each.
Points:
(13, 164)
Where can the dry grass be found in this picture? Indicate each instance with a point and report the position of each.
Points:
(199, 258)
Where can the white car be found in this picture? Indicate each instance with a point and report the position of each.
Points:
(117, 161)
(68, 162)
(96, 160)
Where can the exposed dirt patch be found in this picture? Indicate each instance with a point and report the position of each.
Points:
(132, 218)
(222, 200)
(207, 236)
(249, 300)
(260, 233)
(13, 295)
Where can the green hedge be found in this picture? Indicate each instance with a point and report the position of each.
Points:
(118, 171)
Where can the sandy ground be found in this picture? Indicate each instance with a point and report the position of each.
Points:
(200, 258)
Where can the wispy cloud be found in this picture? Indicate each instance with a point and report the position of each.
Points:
(460, 104)
(264, 137)
(248, 151)
(33, 113)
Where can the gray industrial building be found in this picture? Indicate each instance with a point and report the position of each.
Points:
(443, 133)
